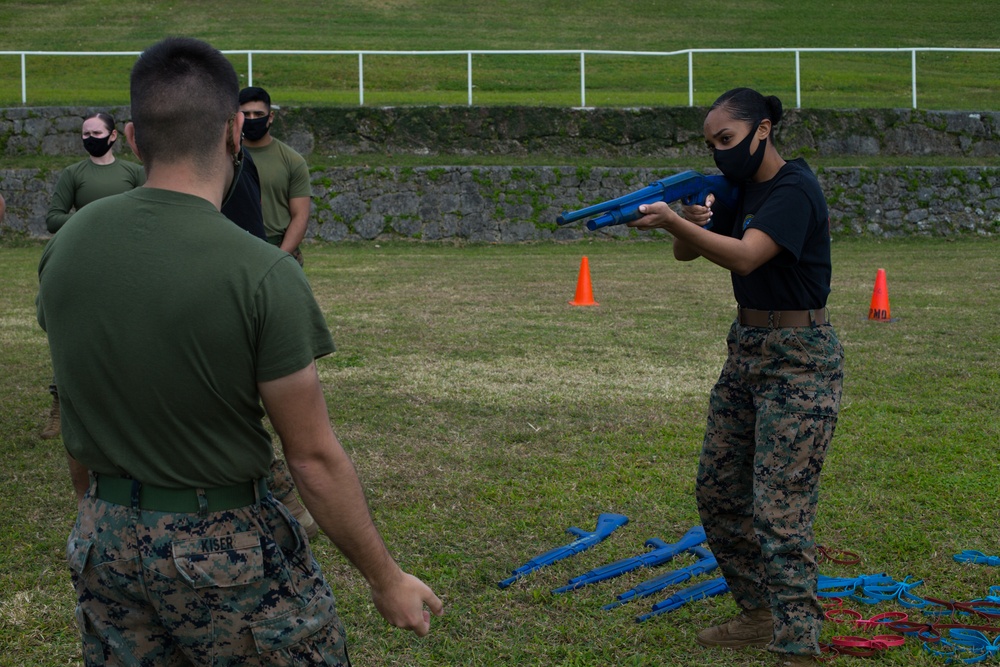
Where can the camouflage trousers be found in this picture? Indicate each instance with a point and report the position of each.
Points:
(279, 480)
(771, 418)
(228, 588)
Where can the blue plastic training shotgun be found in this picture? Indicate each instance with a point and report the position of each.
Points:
(687, 187)
(606, 524)
(661, 553)
(706, 563)
(705, 589)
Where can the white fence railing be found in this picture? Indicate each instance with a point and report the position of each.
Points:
(690, 53)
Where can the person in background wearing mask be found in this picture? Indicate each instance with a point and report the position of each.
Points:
(99, 176)
(773, 410)
(284, 175)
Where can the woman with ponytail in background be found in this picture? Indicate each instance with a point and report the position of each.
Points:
(99, 176)
(774, 407)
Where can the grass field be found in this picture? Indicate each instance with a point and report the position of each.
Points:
(964, 81)
(486, 415)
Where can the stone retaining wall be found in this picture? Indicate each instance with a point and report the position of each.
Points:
(605, 133)
(511, 204)
(514, 204)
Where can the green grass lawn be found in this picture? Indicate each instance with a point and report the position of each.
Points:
(486, 415)
(944, 81)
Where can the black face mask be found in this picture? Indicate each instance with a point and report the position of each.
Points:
(98, 146)
(254, 129)
(736, 163)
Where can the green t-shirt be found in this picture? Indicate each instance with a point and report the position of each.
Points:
(85, 182)
(162, 316)
(284, 175)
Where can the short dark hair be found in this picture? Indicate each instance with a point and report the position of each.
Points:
(106, 118)
(182, 91)
(748, 105)
(255, 94)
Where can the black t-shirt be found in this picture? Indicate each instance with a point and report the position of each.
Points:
(244, 206)
(791, 209)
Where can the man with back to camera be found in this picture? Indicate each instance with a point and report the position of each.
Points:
(168, 327)
(284, 176)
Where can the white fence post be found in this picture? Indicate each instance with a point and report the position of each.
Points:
(798, 82)
(690, 78)
(470, 78)
(361, 79)
(913, 67)
(583, 82)
(249, 68)
(24, 81)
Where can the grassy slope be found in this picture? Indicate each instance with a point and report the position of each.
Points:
(516, 24)
(846, 80)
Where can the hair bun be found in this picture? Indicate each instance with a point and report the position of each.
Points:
(774, 109)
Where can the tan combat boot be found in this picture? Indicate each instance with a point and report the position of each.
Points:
(53, 425)
(753, 627)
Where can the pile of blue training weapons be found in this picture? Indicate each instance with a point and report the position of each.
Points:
(660, 552)
(868, 589)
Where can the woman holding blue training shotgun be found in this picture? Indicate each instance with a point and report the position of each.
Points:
(774, 407)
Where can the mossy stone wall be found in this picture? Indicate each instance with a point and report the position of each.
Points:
(512, 204)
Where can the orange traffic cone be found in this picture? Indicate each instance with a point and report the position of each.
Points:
(879, 309)
(584, 292)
